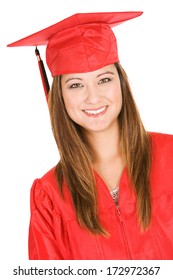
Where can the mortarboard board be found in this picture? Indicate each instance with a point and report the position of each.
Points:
(83, 42)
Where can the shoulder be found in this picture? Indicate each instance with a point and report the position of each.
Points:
(45, 186)
(162, 162)
(49, 179)
(46, 191)
(161, 140)
(46, 195)
(162, 146)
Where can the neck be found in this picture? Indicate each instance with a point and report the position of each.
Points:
(105, 145)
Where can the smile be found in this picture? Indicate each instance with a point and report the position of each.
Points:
(96, 112)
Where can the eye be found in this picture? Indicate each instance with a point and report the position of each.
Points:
(76, 85)
(104, 80)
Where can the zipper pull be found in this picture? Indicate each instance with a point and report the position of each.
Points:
(119, 214)
(118, 210)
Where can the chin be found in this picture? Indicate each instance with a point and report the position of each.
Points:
(97, 129)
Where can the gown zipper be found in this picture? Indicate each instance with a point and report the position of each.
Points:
(123, 232)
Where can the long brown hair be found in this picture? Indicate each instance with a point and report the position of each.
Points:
(75, 166)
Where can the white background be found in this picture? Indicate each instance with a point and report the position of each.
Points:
(27, 147)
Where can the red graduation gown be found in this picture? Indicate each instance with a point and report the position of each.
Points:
(55, 234)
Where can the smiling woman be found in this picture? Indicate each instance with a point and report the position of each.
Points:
(93, 100)
(111, 194)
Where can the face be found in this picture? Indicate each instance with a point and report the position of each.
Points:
(93, 100)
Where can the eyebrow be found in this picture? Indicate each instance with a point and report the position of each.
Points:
(104, 73)
(99, 75)
(75, 78)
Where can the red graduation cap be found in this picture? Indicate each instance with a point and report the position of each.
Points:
(83, 42)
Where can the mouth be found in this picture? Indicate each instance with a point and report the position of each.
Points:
(95, 112)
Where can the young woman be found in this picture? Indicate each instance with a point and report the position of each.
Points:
(111, 194)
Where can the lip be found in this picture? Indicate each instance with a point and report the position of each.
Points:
(93, 112)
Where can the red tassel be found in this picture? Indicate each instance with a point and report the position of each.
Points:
(43, 74)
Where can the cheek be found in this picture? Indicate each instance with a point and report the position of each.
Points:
(68, 101)
(71, 104)
(117, 97)
(119, 100)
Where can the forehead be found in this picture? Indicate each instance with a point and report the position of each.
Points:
(106, 69)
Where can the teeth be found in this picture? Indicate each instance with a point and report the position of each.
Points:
(95, 112)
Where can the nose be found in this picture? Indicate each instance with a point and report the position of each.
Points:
(92, 95)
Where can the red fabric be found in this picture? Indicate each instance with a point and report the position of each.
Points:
(81, 43)
(82, 49)
(55, 234)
